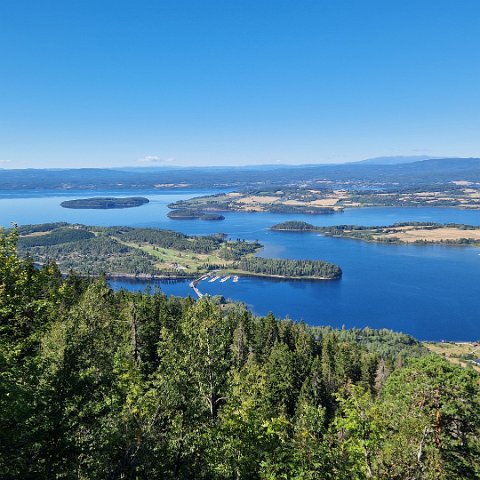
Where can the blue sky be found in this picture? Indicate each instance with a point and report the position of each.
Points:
(232, 82)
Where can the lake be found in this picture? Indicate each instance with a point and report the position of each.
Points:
(431, 292)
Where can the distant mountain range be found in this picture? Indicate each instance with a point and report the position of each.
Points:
(395, 160)
(404, 171)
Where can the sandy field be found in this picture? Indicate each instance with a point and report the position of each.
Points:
(434, 235)
(326, 202)
(258, 199)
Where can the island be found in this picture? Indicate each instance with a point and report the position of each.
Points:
(153, 253)
(105, 203)
(419, 233)
(294, 226)
(182, 214)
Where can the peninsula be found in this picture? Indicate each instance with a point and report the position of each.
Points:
(277, 201)
(318, 198)
(155, 253)
(405, 232)
(105, 203)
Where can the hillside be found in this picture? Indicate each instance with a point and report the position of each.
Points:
(103, 384)
(155, 253)
(424, 172)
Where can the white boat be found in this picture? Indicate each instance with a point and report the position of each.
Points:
(225, 279)
(235, 278)
(214, 279)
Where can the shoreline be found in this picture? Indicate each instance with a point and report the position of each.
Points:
(146, 277)
(242, 273)
(341, 209)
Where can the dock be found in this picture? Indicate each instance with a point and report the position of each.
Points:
(198, 292)
(193, 284)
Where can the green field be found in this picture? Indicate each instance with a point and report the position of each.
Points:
(459, 353)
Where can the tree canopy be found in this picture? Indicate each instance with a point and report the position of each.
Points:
(97, 384)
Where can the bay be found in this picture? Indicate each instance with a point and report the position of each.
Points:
(431, 292)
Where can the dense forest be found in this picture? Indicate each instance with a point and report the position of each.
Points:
(193, 215)
(96, 384)
(294, 226)
(290, 268)
(105, 203)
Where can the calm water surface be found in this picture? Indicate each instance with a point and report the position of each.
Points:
(431, 292)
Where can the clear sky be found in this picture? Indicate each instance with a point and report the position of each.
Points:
(177, 82)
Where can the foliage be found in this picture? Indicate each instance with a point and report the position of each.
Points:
(290, 268)
(96, 384)
(128, 251)
(294, 225)
(384, 234)
(105, 203)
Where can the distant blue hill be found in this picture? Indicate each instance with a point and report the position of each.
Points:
(395, 160)
(401, 171)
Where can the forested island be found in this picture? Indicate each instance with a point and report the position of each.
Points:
(294, 226)
(283, 268)
(193, 215)
(150, 252)
(105, 203)
(103, 384)
(419, 233)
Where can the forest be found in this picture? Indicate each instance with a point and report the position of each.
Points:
(294, 226)
(97, 384)
(291, 268)
(105, 203)
(193, 215)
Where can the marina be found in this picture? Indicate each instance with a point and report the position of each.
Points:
(211, 279)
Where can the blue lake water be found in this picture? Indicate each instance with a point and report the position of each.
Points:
(431, 292)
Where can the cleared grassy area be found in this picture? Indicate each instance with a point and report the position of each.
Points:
(188, 262)
(459, 353)
(444, 234)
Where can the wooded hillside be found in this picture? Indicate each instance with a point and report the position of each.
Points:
(96, 384)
